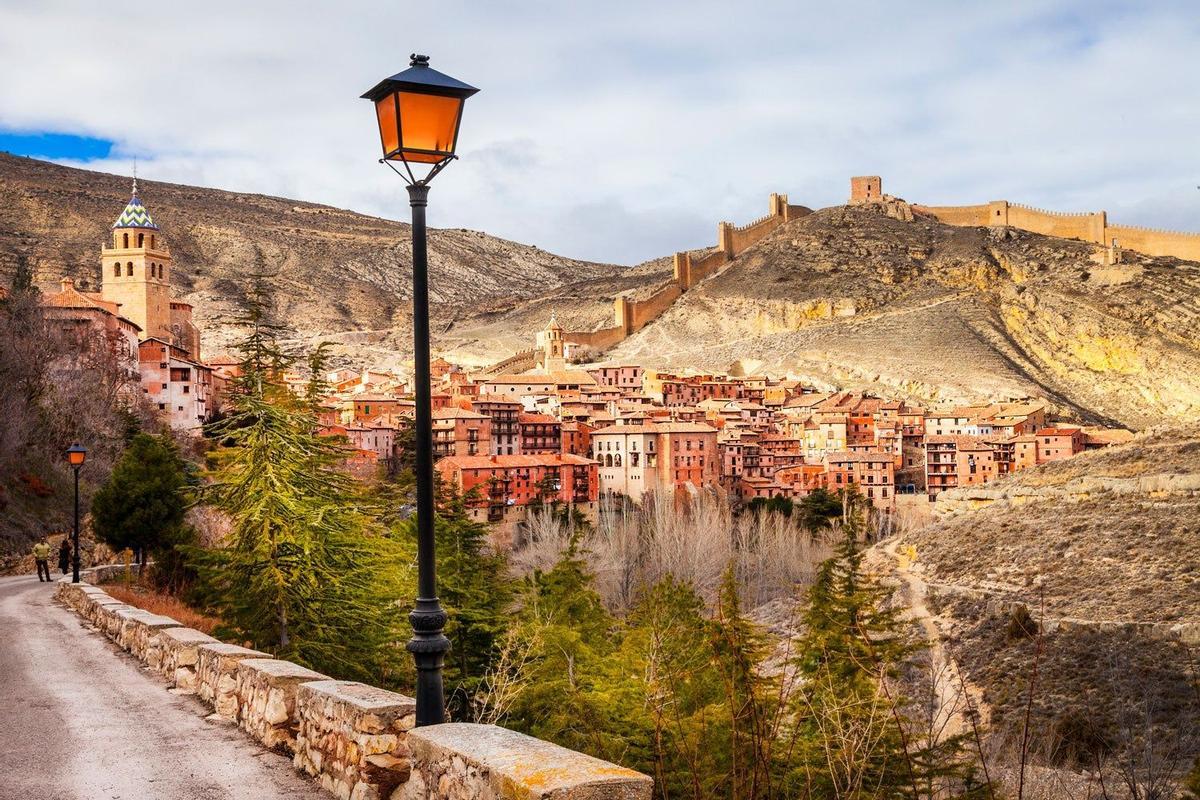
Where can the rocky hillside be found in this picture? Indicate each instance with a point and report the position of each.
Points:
(338, 274)
(1102, 553)
(849, 296)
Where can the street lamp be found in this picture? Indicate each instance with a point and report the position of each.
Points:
(76, 455)
(418, 111)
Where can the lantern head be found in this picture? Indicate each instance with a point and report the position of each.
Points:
(419, 111)
(76, 455)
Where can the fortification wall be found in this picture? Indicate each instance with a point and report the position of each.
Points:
(706, 266)
(1154, 242)
(974, 216)
(1087, 226)
(644, 311)
(357, 740)
(601, 339)
(752, 234)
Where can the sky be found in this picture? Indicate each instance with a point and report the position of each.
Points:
(623, 131)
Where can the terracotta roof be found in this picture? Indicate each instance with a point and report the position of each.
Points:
(844, 456)
(70, 297)
(1061, 431)
(503, 462)
(543, 419)
(454, 412)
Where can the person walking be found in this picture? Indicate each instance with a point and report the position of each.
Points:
(64, 555)
(41, 554)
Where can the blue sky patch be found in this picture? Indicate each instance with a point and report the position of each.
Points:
(55, 145)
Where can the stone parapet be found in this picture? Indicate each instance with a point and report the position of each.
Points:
(216, 675)
(357, 740)
(354, 737)
(179, 651)
(266, 692)
(138, 633)
(461, 761)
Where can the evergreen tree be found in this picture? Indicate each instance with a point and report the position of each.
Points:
(475, 590)
(855, 739)
(141, 506)
(560, 701)
(305, 573)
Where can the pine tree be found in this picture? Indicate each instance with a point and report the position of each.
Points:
(475, 590)
(305, 574)
(560, 702)
(855, 739)
(141, 506)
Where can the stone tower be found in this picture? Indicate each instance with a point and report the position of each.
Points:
(136, 271)
(552, 346)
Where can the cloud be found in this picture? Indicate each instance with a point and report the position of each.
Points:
(622, 131)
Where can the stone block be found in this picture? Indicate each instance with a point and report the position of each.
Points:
(110, 617)
(179, 650)
(266, 696)
(457, 761)
(138, 634)
(355, 735)
(216, 675)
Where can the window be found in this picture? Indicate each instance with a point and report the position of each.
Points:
(152, 240)
(141, 239)
(117, 270)
(162, 406)
(129, 268)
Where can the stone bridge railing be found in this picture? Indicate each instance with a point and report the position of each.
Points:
(360, 742)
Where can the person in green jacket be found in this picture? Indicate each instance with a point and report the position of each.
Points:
(41, 554)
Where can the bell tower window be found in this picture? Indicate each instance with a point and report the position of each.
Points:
(117, 270)
(125, 240)
(152, 240)
(129, 269)
(141, 239)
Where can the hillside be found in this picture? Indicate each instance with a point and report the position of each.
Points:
(1104, 549)
(849, 296)
(336, 271)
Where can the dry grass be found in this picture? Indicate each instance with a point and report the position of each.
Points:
(155, 602)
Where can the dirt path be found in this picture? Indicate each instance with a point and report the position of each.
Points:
(949, 683)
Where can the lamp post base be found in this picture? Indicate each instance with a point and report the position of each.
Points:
(429, 647)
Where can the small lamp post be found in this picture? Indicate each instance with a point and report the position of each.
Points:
(76, 455)
(418, 111)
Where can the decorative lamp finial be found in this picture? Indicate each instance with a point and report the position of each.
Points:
(418, 60)
(135, 177)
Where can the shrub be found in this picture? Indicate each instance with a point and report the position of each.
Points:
(1021, 624)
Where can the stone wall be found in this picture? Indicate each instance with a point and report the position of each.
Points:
(358, 741)
(1155, 242)
(1089, 226)
(632, 315)
(354, 737)
(266, 692)
(464, 762)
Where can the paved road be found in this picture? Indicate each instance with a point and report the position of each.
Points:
(81, 720)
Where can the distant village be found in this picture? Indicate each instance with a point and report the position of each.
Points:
(577, 435)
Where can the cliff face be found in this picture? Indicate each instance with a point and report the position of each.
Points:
(337, 273)
(853, 297)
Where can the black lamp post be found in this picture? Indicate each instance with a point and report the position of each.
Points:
(418, 111)
(76, 455)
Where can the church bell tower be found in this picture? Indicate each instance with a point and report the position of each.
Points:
(136, 270)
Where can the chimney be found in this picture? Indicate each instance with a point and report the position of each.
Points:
(67, 283)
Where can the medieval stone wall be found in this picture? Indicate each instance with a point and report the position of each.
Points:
(1085, 226)
(360, 742)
